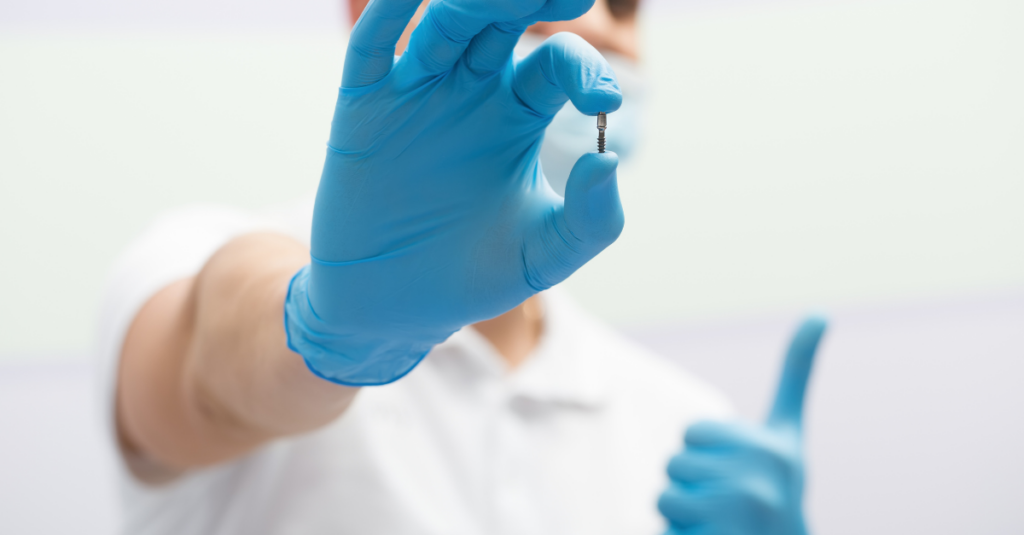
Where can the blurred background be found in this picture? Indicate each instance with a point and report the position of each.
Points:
(862, 158)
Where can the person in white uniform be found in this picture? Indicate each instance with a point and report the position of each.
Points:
(539, 420)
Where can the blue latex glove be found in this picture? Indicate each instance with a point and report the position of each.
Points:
(745, 479)
(433, 212)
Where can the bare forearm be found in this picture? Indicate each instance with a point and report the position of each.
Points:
(240, 362)
(206, 372)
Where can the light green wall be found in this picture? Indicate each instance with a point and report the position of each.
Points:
(823, 154)
(808, 155)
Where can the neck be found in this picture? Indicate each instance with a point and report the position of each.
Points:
(515, 334)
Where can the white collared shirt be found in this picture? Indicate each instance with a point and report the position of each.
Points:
(574, 441)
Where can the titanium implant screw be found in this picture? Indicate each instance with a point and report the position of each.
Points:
(602, 124)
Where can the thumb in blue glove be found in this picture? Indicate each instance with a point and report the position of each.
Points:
(744, 479)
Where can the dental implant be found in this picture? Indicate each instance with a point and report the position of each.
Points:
(602, 124)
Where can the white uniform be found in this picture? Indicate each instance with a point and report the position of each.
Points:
(575, 441)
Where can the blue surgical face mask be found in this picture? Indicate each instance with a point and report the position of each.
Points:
(571, 134)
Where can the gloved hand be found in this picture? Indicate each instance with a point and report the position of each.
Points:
(433, 212)
(745, 479)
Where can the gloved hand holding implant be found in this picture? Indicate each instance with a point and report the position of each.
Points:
(432, 211)
(737, 478)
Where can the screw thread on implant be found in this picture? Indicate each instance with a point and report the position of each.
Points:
(602, 124)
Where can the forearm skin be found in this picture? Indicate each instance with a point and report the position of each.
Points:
(206, 375)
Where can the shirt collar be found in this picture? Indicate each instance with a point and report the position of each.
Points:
(566, 368)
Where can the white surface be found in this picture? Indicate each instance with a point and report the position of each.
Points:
(800, 154)
(913, 424)
(55, 473)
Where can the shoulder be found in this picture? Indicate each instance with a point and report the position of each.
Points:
(180, 240)
(174, 246)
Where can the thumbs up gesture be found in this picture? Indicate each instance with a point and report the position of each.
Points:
(745, 479)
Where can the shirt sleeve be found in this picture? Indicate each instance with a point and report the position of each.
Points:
(175, 246)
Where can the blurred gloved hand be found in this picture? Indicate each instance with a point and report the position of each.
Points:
(432, 211)
(745, 479)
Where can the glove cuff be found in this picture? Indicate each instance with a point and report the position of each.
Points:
(350, 359)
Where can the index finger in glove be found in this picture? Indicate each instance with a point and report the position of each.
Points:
(713, 435)
(565, 68)
(696, 466)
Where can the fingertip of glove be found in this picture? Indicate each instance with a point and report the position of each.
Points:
(602, 164)
(603, 96)
(815, 322)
